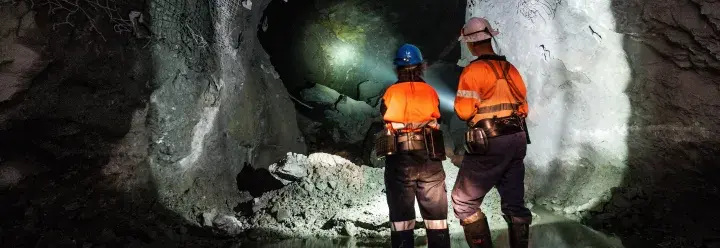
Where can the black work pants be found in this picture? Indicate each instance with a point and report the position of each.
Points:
(413, 175)
(502, 166)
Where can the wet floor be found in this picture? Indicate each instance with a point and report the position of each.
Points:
(550, 231)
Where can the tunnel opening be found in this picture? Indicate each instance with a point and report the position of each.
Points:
(335, 59)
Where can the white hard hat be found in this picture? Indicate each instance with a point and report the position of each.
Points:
(477, 29)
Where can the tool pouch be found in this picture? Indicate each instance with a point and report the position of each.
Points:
(385, 143)
(434, 143)
(476, 141)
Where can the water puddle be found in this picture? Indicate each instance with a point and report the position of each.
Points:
(549, 230)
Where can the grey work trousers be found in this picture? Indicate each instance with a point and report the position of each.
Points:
(502, 166)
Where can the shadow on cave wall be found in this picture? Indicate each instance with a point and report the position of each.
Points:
(60, 133)
(670, 196)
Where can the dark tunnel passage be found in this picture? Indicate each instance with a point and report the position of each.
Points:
(348, 47)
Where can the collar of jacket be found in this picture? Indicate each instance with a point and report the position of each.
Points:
(400, 81)
(490, 57)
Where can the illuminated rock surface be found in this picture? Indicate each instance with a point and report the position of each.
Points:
(621, 94)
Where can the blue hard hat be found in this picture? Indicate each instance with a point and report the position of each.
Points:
(408, 54)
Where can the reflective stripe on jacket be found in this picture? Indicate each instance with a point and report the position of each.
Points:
(479, 95)
(411, 102)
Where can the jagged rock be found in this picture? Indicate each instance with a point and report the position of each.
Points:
(209, 217)
(18, 68)
(292, 168)
(347, 119)
(282, 215)
(228, 225)
(215, 104)
(370, 92)
(349, 229)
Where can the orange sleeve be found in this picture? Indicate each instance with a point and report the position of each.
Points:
(436, 104)
(517, 80)
(385, 101)
(468, 93)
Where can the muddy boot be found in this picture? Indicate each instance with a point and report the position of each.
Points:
(402, 239)
(518, 230)
(477, 233)
(438, 238)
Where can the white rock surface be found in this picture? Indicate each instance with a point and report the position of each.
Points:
(576, 89)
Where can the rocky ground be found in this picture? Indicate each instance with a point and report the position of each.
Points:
(328, 196)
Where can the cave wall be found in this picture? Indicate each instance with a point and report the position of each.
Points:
(73, 87)
(69, 84)
(576, 82)
(342, 44)
(624, 99)
(167, 111)
(218, 104)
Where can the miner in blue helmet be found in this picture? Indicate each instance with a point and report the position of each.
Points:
(413, 149)
(408, 55)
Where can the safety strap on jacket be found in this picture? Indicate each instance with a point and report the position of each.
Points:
(513, 90)
(498, 107)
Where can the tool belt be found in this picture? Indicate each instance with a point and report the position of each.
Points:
(494, 127)
(476, 138)
(410, 141)
(389, 142)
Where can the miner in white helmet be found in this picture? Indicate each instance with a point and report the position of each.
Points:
(491, 98)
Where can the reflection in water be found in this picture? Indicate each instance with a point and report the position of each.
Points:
(549, 231)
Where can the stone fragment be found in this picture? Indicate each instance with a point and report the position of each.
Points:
(349, 229)
(282, 214)
(208, 217)
(228, 225)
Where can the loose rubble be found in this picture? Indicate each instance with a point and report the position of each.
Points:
(328, 196)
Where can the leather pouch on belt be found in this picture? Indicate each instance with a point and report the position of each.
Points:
(434, 143)
(385, 143)
(476, 141)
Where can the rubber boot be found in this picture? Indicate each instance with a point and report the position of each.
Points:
(402, 239)
(438, 238)
(477, 234)
(518, 230)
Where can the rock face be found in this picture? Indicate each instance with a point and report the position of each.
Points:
(19, 63)
(622, 94)
(218, 104)
(160, 112)
(577, 119)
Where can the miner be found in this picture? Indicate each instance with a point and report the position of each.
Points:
(491, 98)
(413, 149)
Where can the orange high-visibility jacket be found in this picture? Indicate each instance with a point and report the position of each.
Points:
(410, 102)
(479, 97)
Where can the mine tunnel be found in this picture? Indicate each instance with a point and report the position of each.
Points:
(174, 123)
